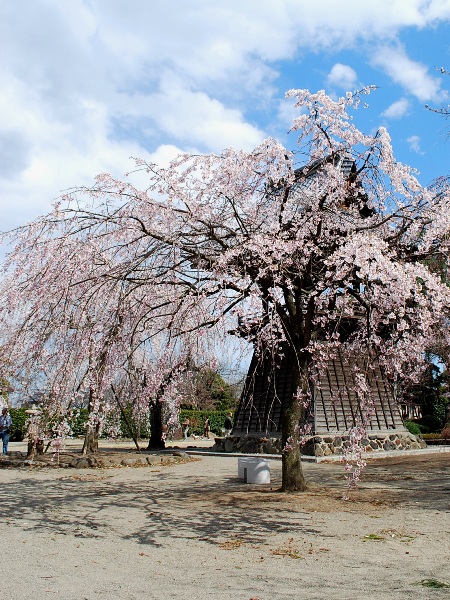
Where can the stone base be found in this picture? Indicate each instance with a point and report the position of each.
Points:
(326, 445)
(247, 445)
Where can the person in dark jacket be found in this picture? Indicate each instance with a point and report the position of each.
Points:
(228, 425)
(5, 427)
(206, 428)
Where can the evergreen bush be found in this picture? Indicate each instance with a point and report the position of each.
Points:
(18, 429)
(413, 427)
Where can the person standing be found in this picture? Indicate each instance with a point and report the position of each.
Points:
(206, 428)
(228, 425)
(185, 425)
(5, 428)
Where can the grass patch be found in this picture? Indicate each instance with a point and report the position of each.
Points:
(373, 537)
(432, 583)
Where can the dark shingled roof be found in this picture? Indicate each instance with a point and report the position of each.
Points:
(335, 408)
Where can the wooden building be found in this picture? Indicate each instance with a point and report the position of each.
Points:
(334, 409)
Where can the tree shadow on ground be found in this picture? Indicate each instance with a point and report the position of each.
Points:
(155, 506)
(147, 511)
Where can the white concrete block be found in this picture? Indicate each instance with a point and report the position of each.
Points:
(242, 464)
(254, 470)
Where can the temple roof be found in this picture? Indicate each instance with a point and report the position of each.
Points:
(336, 407)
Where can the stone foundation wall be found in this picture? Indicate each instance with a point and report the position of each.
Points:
(374, 442)
(326, 445)
(247, 445)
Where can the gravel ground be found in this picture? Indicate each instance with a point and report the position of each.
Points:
(195, 531)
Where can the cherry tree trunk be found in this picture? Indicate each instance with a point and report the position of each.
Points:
(293, 479)
(90, 445)
(35, 446)
(156, 441)
(31, 449)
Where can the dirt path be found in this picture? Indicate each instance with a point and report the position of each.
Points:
(195, 531)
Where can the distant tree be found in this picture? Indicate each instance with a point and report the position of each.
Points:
(430, 394)
(207, 390)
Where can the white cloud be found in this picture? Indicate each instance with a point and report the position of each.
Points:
(195, 118)
(87, 83)
(397, 109)
(287, 112)
(411, 75)
(342, 76)
(164, 154)
(414, 144)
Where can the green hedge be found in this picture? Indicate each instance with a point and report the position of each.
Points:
(197, 419)
(413, 427)
(432, 436)
(80, 416)
(78, 421)
(18, 429)
(19, 418)
(141, 430)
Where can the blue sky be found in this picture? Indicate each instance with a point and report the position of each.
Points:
(88, 83)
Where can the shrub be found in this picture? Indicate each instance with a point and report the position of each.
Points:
(77, 421)
(19, 417)
(80, 416)
(430, 424)
(413, 427)
(446, 434)
(19, 429)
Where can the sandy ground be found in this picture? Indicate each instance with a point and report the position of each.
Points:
(195, 531)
